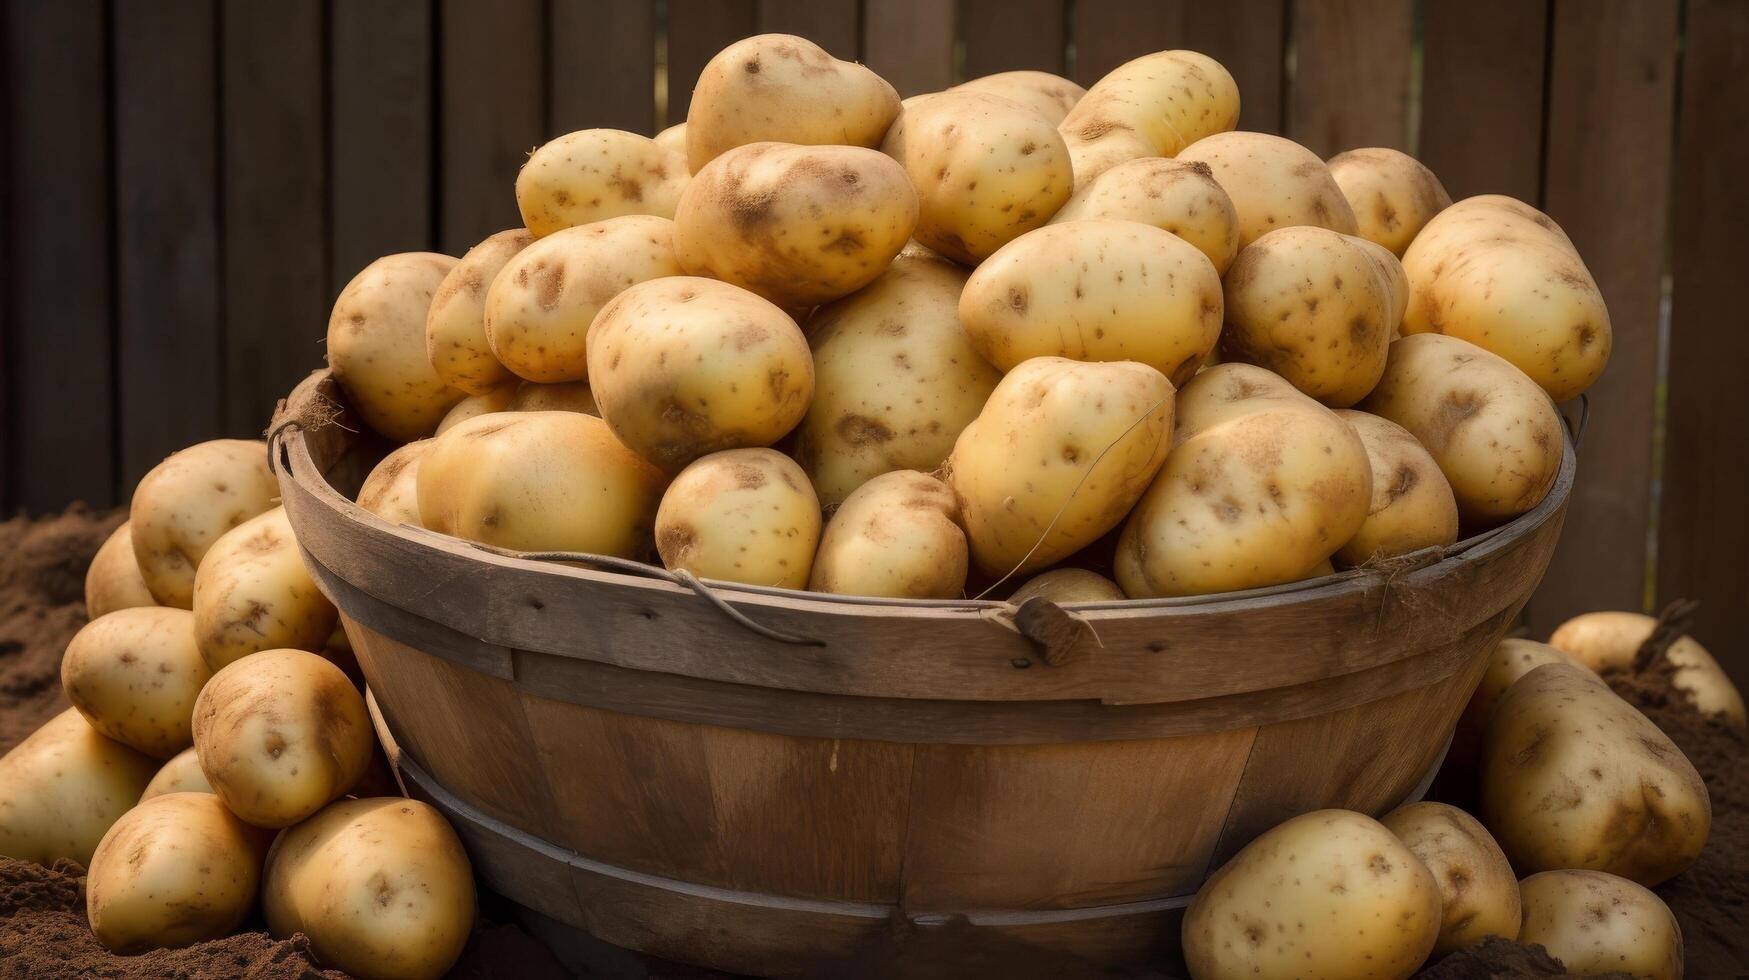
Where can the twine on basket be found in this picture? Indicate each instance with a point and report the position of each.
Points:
(307, 408)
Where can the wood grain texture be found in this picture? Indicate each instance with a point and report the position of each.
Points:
(602, 66)
(832, 24)
(697, 30)
(910, 44)
(1108, 33)
(492, 99)
(1008, 35)
(1351, 78)
(1482, 80)
(1249, 37)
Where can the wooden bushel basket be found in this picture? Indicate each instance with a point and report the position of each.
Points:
(620, 754)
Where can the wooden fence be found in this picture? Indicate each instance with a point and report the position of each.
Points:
(189, 183)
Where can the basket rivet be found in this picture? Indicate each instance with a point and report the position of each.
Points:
(1020, 663)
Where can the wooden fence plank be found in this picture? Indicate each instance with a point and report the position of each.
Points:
(1249, 37)
(1351, 74)
(492, 90)
(1704, 529)
(1110, 32)
(697, 30)
(602, 60)
(832, 24)
(1482, 78)
(60, 389)
(1008, 35)
(910, 43)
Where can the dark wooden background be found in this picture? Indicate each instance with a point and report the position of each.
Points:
(189, 183)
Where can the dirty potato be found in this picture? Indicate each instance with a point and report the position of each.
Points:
(1393, 195)
(254, 593)
(565, 396)
(180, 775)
(113, 580)
(741, 515)
(1597, 923)
(1178, 196)
(1062, 585)
(62, 788)
(1051, 96)
(376, 345)
(186, 502)
(474, 406)
(455, 326)
(1412, 504)
(897, 536)
(134, 675)
(1274, 183)
(1478, 893)
(391, 490)
(1610, 641)
(1154, 106)
(596, 174)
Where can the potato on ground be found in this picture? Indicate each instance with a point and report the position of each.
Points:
(1154, 106)
(1331, 893)
(1597, 923)
(1393, 194)
(254, 593)
(1512, 658)
(176, 870)
(897, 536)
(1062, 585)
(1273, 183)
(391, 491)
(595, 174)
(180, 775)
(113, 580)
(134, 675)
(63, 786)
(455, 326)
(474, 406)
(1610, 641)
(187, 502)
(381, 886)
(1051, 96)
(741, 515)
(376, 345)
(1412, 504)
(1478, 893)
(564, 396)
(1262, 486)
(1060, 453)
(1172, 195)
(280, 734)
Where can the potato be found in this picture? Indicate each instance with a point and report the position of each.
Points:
(376, 345)
(685, 366)
(539, 308)
(1062, 585)
(186, 502)
(1051, 96)
(1512, 658)
(1493, 432)
(1597, 923)
(539, 481)
(1096, 291)
(62, 787)
(180, 775)
(1154, 106)
(1500, 274)
(673, 139)
(1478, 893)
(566, 396)
(254, 593)
(798, 225)
(1412, 504)
(1262, 485)
(595, 174)
(1610, 641)
(1392, 194)
(134, 675)
(784, 89)
(1574, 777)
(987, 169)
(1329, 893)
(474, 406)
(174, 871)
(741, 515)
(391, 491)
(1058, 456)
(113, 580)
(1172, 195)
(455, 326)
(898, 536)
(280, 734)
(1273, 183)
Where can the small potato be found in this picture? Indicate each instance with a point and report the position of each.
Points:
(897, 536)
(1062, 585)
(1262, 486)
(280, 734)
(895, 378)
(1610, 641)
(1051, 96)
(798, 225)
(474, 406)
(566, 396)
(1172, 195)
(1512, 659)
(786, 89)
(62, 788)
(254, 593)
(1392, 194)
(673, 139)
(539, 308)
(180, 775)
(391, 491)
(376, 345)
(1597, 923)
(1493, 432)
(596, 174)
(1154, 106)
(1058, 456)
(1478, 893)
(1412, 504)
(539, 481)
(113, 580)
(683, 367)
(381, 886)
(1330, 893)
(1096, 290)
(455, 326)
(174, 871)
(1575, 777)
(187, 502)
(134, 675)
(987, 170)
(1273, 183)
(741, 515)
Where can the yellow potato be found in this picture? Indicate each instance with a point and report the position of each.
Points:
(391, 491)
(673, 139)
(596, 174)
(1062, 585)
(1393, 195)
(539, 308)
(1051, 96)
(898, 536)
(799, 225)
(180, 775)
(1512, 658)
(1610, 641)
(376, 345)
(741, 515)
(1262, 486)
(1058, 456)
(566, 396)
(134, 675)
(455, 326)
(62, 788)
(1154, 106)
(1478, 893)
(254, 593)
(1097, 290)
(1412, 504)
(1172, 195)
(113, 580)
(1273, 183)
(186, 502)
(474, 406)
(1597, 923)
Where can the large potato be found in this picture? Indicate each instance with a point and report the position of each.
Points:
(391, 491)
(1393, 195)
(596, 174)
(134, 675)
(566, 396)
(1062, 585)
(280, 734)
(187, 502)
(741, 515)
(113, 580)
(1096, 290)
(799, 225)
(987, 170)
(1058, 456)
(474, 406)
(895, 378)
(177, 870)
(455, 326)
(1262, 486)
(1493, 432)
(180, 775)
(1610, 641)
(376, 345)
(254, 593)
(1575, 777)
(1597, 923)
(1478, 893)
(62, 788)
(1412, 504)
(897, 536)
(1330, 893)
(685, 366)
(1051, 96)
(539, 308)
(1512, 658)
(1273, 183)
(1154, 106)
(1172, 195)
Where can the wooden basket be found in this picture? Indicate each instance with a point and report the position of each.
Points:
(621, 755)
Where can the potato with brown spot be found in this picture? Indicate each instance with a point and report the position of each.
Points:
(187, 502)
(1273, 183)
(1051, 96)
(1154, 106)
(474, 406)
(376, 345)
(564, 396)
(596, 174)
(113, 580)
(897, 536)
(1172, 195)
(1062, 585)
(180, 775)
(1597, 923)
(134, 675)
(741, 515)
(254, 593)
(1610, 641)
(1412, 504)
(1393, 194)
(391, 491)
(63, 786)
(1512, 658)
(1478, 893)
(455, 326)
